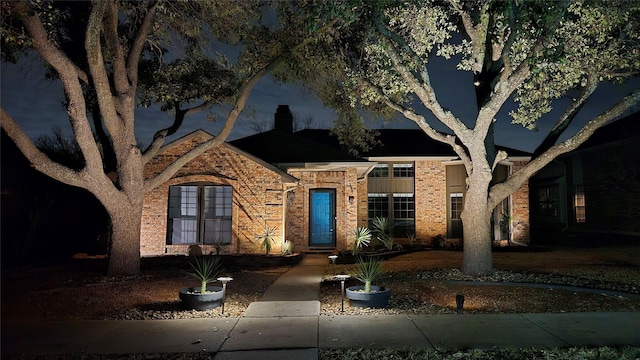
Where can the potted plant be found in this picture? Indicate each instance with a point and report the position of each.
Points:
(203, 297)
(368, 295)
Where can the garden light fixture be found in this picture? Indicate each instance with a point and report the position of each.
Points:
(333, 262)
(342, 278)
(224, 281)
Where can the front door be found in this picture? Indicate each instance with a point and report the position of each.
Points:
(322, 217)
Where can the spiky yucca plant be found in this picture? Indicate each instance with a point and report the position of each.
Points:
(267, 239)
(368, 271)
(206, 269)
(383, 229)
(362, 239)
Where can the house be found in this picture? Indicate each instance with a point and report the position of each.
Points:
(301, 186)
(592, 193)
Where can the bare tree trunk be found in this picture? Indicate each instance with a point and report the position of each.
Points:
(124, 251)
(476, 220)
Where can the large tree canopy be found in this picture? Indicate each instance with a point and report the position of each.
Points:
(111, 56)
(533, 52)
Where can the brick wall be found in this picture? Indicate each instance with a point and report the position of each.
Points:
(345, 184)
(431, 199)
(259, 200)
(257, 197)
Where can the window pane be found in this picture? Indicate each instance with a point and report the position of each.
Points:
(456, 205)
(217, 230)
(548, 201)
(403, 170)
(189, 200)
(403, 206)
(378, 206)
(184, 231)
(380, 171)
(217, 223)
(403, 214)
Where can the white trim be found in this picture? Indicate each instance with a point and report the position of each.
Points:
(453, 162)
(410, 158)
(403, 195)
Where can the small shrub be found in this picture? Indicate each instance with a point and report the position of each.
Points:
(437, 242)
(287, 247)
(411, 237)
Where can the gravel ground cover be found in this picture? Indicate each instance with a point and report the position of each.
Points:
(423, 282)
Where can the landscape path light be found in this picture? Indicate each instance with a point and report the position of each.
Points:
(224, 281)
(342, 278)
(333, 262)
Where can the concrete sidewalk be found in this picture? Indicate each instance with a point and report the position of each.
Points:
(249, 338)
(286, 324)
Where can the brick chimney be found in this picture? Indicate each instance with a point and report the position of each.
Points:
(283, 119)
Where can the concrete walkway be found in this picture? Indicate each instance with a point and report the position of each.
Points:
(286, 324)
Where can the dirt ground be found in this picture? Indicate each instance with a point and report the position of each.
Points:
(74, 292)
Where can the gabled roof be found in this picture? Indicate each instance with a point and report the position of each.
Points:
(285, 176)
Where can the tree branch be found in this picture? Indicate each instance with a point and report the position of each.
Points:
(37, 158)
(501, 190)
(232, 117)
(68, 73)
(424, 91)
(98, 71)
(420, 121)
(567, 117)
(136, 47)
(113, 42)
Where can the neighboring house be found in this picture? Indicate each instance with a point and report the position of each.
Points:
(301, 185)
(592, 193)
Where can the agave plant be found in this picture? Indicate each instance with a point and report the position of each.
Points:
(383, 229)
(362, 239)
(206, 269)
(368, 271)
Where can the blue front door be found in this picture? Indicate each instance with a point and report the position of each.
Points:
(322, 217)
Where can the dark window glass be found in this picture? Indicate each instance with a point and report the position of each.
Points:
(403, 170)
(200, 214)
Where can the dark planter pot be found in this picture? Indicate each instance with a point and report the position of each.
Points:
(377, 298)
(193, 300)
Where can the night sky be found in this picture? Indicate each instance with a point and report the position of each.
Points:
(37, 106)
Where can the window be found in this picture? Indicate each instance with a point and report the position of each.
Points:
(456, 205)
(548, 201)
(403, 214)
(399, 208)
(403, 170)
(380, 171)
(378, 206)
(579, 204)
(199, 214)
